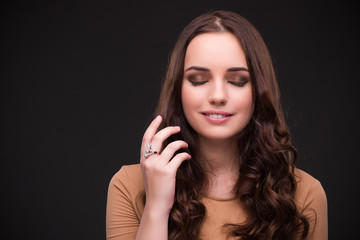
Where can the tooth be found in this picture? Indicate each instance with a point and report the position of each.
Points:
(216, 116)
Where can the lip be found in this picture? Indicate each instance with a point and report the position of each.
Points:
(225, 116)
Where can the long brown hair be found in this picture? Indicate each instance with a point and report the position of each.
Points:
(266, 183)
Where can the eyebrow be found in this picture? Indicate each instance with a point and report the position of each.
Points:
(198, 69)
(234, 69)
(237, 69)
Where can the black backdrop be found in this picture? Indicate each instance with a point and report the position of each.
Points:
(80, 80)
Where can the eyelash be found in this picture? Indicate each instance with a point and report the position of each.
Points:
(238, 84)
(195, 83)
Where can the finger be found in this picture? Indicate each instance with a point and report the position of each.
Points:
(178, 160)
(150, 132)
(162, 135)
(170, 150)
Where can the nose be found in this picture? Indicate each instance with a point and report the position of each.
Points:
(218, 93)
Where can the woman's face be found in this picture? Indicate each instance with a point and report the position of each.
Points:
(216, 89)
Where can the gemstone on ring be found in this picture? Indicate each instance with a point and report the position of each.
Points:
(149, 151)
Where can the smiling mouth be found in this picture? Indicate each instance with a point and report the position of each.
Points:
(216, 116)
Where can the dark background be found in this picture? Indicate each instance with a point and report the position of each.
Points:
(80, 80)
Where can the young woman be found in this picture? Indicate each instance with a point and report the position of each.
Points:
(217, 162)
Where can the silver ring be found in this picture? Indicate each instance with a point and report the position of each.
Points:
(149, 151)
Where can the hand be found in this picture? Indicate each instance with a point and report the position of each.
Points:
(159, 173)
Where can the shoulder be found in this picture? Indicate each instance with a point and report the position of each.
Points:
(311, 199)
(128, 171)
(128, 174)
(126, 188)
(308, 188)
(124, 202)
(128, 180)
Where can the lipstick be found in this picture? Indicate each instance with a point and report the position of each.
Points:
(217, 116)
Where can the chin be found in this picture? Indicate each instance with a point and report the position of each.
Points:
(221, 136)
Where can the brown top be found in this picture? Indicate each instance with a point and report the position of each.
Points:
(124, 209)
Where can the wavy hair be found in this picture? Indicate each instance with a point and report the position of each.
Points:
(266, 183)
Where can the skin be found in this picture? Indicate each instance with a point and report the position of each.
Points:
(222, 88)
(159, 180)
(225, 86)
(218, 88)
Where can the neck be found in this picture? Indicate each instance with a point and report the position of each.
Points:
(220, 156)
(221, 165)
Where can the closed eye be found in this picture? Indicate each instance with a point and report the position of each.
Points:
(238, 80)
(197, 79)
(197, 83)
(239, 84)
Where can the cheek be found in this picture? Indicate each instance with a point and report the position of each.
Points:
(249, 100)
(245, 102)
(189, 99)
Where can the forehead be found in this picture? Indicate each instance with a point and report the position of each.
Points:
(215, 49)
